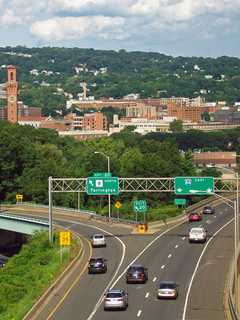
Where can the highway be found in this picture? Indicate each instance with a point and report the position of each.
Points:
(168, 256)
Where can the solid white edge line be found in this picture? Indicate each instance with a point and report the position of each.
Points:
(197, 265)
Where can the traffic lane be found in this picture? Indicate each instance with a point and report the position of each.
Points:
(85, 294)
(137, 292)
(165, 265)
(206, 298)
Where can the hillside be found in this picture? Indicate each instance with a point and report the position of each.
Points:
(117, 73)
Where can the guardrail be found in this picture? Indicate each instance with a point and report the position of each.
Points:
(21, 218)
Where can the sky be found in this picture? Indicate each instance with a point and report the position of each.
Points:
(174, 27)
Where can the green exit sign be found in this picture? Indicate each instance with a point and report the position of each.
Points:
(194, 185)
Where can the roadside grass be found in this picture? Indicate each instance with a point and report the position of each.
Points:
(29, 273)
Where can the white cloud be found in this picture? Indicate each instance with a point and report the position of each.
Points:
(79, 27)
(8, 19)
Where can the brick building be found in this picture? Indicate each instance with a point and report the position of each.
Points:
(94, 121)
(221, 159)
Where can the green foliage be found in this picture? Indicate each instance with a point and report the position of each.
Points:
(150, 74)
(27, 275)
(176, 126)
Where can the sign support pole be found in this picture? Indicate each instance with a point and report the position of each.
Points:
(50, 227)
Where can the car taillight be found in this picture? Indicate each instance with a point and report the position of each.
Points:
(120, 299)
(142, 275)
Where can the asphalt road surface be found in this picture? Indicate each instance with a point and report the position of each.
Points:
(198, 269)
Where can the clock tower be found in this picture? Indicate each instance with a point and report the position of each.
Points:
(12, 89)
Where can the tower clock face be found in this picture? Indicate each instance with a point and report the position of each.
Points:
(12, 98)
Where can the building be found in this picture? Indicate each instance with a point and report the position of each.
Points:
(218, 159)
(94, 121)
(12, 91)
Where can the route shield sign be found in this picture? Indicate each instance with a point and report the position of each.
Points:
(194, 185)
(102, 185)
(140, 205)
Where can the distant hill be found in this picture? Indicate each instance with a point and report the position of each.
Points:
(117, 73)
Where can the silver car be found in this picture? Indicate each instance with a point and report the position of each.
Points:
(98, 240)
(197, 234)
(116, 299)
(167, 289)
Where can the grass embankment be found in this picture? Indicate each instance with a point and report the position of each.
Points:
(26, 276)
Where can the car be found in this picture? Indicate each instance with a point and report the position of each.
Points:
(98, 240)
(2, 263)
(208, 210)
(136, 273)
(167, 290)
(97, 265)
(116, 299)
(198, 234)
(194, 216)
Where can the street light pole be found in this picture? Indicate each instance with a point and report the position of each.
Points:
(108, 168)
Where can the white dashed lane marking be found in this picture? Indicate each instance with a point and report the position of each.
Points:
(183, 238)
(163, 266)
(169, 256)
(139, 313)
(147, 295)
(176, 246)
(154, 279)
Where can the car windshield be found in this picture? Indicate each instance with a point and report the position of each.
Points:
(166, 285)
(99, 236)
(136, 268)
(207, 208)
(114, 295)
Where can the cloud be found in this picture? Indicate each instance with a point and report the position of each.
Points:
(9, 19)
(80, 27)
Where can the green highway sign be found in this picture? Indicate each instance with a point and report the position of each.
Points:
(140, 205)
(102, 174)
(193, 185)
(102, 185)
(180, 202)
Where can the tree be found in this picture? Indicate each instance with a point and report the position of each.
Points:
(176, 126)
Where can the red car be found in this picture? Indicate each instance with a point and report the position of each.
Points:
(194, 216)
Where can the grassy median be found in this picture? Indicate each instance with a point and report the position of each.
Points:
(27, 275)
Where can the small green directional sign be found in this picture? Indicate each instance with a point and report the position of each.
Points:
(140, 205)
(180, 202)
(194, 185)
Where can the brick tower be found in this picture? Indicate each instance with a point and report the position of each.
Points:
(12, 89)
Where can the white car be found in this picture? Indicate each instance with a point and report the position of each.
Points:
(197, 234)
(98, 240)
(167, 290)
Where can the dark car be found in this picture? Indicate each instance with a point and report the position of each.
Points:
(136, 273)
(3, 261)
(194, 216)
(167, 290)
(208, 210)
(97, 265)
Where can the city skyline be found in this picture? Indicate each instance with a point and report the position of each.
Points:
(175, 27)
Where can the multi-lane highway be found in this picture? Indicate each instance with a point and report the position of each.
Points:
(198, 269)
